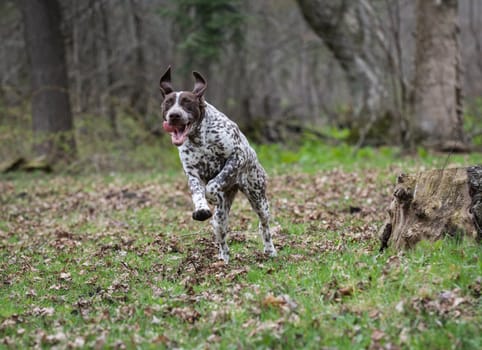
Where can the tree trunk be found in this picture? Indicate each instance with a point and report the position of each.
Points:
(437, 118)
(139, 96)
(433, 204)
(335, 22)
(109, 94)
(51, 113)
(348, 30)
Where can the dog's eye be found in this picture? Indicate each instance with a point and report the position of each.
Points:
(168, 103)
(188, 104)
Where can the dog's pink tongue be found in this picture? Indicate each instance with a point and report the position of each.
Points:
(177, 137)
(168, 127)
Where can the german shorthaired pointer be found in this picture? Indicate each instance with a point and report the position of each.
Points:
(216, 158)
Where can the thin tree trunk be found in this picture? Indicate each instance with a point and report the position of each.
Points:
(139, 97)
(437, 118)
(51, 112)
(76, 71)
(109, 70)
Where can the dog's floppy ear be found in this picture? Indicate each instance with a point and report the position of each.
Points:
(200, 84)
(165, 83)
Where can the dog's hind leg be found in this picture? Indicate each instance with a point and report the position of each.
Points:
(220, 221)
(262, 209)
(257, 198)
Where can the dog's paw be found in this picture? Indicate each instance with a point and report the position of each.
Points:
(224, 256)
(270, 250)
(202, 214)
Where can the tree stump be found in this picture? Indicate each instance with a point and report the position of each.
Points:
(433, 204)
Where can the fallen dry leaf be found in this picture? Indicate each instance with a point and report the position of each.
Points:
(476, 287)
(271, 300)
(377, 335)
(186, 313)
(284, 302)
(213, 338)
(55, 338)
(274, 327)
(31, 293)
(8, 322)
(346, 291)
(42, 311)
(404, 335)
(78, 342)
(65, 276)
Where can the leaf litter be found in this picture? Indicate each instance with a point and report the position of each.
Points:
(114, 226)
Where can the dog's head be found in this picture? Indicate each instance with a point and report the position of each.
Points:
(182, 111)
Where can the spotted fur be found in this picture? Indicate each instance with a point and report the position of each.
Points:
(217, 159)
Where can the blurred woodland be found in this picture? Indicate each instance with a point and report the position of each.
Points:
(396, 72)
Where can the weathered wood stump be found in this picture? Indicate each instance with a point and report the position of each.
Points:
(433, 204)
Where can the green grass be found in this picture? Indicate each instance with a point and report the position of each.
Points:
(114, 260)
(312, 156)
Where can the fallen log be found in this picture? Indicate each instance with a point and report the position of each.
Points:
(12, 165)
(434, 204)
(22, 164)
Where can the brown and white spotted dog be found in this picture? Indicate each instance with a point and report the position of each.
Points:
(216, 158)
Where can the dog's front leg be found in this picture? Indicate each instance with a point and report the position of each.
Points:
(225, 179)
(201, 207)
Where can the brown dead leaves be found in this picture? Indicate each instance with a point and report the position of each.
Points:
(446, 304)
(201, 263)
(57, 212)
(43, 311)
(11, 321)
(187, 314)
(322, 197)
(87, 228)
(285, 304)
(282, 302)
(476, 287)
(65, 240)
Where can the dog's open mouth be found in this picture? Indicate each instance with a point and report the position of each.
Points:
(178, 132)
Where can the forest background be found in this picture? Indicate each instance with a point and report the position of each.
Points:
(336, 71)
